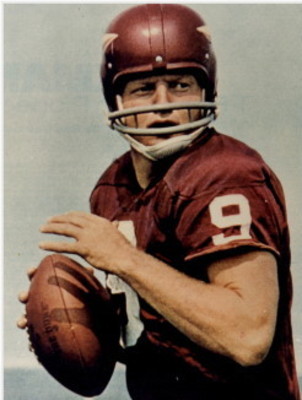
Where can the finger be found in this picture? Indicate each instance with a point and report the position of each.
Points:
(83, 215)
(31, 272)
(64, 229)
(23, 297)
(22, 322)
(60, 247)
(90, 270)
(76, 218)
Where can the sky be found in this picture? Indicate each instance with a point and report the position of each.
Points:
(57, 143)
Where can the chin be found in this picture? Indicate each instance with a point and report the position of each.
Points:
(152, 140)
(149, 140)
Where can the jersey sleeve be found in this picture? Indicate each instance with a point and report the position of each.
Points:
(232, 215)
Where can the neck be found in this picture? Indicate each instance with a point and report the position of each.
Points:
(144, 168)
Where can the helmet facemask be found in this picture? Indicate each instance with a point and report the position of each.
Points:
(117, 118)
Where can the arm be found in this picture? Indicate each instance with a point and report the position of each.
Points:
(233, 315)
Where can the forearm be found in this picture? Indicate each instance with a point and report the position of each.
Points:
(212, 316)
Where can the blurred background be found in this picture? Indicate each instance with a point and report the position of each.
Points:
(57, 143)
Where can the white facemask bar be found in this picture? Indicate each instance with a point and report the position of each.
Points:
(116, 123)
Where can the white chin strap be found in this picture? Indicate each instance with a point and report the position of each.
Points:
(165, 148)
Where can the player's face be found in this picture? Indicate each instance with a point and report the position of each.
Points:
(160, 90)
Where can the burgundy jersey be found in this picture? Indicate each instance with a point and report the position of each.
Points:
(217, 197)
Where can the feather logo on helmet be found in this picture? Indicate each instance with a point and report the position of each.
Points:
(108, 39)
(205, 31)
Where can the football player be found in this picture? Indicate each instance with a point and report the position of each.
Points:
(189, 225)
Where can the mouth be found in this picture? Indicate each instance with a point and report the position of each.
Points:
(164, 124)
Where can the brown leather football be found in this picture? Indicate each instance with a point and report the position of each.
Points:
(72, 325)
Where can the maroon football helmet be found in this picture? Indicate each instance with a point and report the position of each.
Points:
(157, 38)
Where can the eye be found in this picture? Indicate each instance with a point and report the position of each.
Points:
(179, 86)
(143, 89)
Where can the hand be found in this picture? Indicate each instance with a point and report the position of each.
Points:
(97, 240)
(23, 298)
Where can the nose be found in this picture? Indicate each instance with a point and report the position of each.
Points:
(162, 96)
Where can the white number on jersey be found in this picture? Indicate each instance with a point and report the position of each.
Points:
(243, 218)
(134, 327)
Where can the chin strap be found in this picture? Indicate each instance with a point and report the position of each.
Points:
(166, 147)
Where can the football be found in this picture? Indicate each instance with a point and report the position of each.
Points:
(72, 326)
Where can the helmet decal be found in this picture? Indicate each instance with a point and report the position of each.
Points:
(108, 39)
(205, 31)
